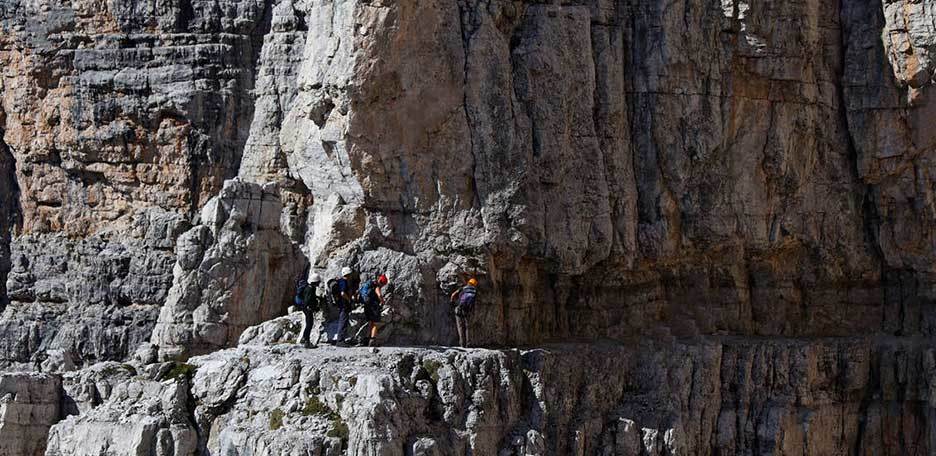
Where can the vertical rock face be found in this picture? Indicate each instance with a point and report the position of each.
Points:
(29, 406)
(752, 178)
(114, 106)
(233, 271)
(602, 165)
(95, 298)
(887, 84)
(123, 119)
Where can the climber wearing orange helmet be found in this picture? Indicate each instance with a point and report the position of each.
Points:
(464, 301)
(371, 294)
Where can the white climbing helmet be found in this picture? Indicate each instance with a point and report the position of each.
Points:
(345, 271)
(314, 278)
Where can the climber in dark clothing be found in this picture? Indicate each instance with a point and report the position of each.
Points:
(464, 299)
(343, 295)
(309, 302)
(371, 296)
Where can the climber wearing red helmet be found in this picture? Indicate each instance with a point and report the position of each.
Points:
(371, 294)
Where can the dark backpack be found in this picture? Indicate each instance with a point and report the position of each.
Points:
(299, 298)
(466, 300)
(310, 299)
(333, 290)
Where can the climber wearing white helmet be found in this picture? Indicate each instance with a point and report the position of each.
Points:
(342, 291)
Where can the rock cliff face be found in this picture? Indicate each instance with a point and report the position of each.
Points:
(233, 270)
(29, 405)
(710, 396)
(727, 206)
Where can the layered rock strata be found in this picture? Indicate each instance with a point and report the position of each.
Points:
(753, 178)
(608, 167)
(599, 164)
(94, 298)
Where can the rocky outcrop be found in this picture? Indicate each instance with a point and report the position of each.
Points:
(600, 164)
(156, 423)
(886, 85)
(709, 396)
(612, 166)
(29, 406)
(92, 299)
(234, 270)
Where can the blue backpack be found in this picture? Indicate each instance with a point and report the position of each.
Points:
(299, 299)
(367, 292)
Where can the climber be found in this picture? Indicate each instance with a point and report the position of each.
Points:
(464, 299)
(372, 297)
(309, 302)
(341, 291)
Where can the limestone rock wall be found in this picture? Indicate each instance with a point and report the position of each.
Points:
(112, 112)
(29, 406)
(113, 106)
(605, 166)
(91, 299)
(753, 178)
(710, 396)
(234, 270)
(608, 167)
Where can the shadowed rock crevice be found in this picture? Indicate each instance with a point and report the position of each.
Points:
(9, 215)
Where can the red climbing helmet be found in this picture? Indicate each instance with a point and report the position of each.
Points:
(382, 280)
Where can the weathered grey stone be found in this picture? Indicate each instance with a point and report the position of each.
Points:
(234, 271)
(93, 299)
(710, 396)
(592, 162)
(117, 106)
(137, 417)
(751, 179)
(29, 406)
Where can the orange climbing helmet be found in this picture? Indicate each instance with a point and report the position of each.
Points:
(382, 280)
(473, 282)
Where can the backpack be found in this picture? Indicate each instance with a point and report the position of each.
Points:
(368, 292)
(310, 299)
(466, 300)
(334, 292)
(299, 298)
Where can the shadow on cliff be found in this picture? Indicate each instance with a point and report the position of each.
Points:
(9, 214)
